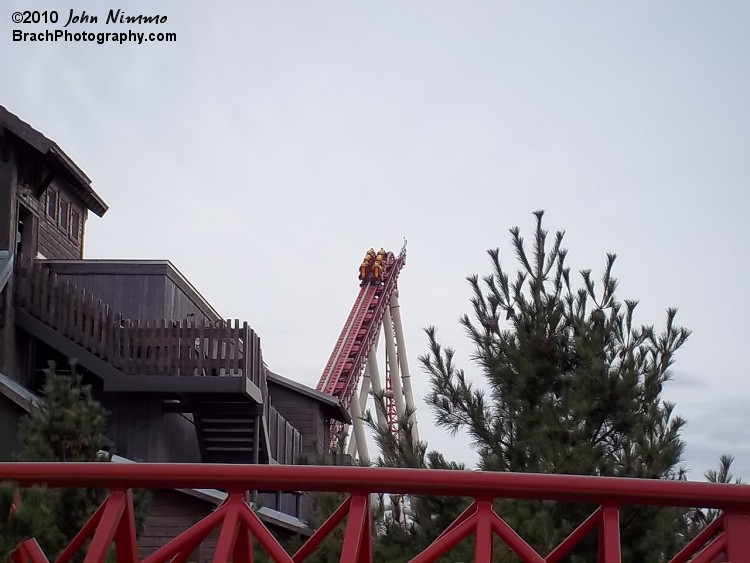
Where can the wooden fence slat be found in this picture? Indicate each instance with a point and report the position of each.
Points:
(235, 365)
(211, 352)
(54, 302)
(223, 348)
(162, 340)
(86, 319)
(106, 342)
(149, 352)
(200, 364)
(188, 350)
(34, 292)
(96, 328)
(131, 346)
(80, 327)
(64, 311)
(115, 338)
(44, 297)
(181, 347)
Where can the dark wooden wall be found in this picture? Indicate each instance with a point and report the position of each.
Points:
(141, 432)
(181, 299)
(10, 415)
(56, 231)
(138, 289)
(305, 414)
(171, 513)
(55, 209)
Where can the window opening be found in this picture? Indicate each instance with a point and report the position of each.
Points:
(52, 203)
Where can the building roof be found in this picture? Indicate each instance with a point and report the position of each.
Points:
(17, 393)
(56, 158)
(333, 405)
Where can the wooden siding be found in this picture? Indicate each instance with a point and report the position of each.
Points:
(172, 512)
(181, 300)
(305, 414)
(10, 415)
(285, 438)
(145, 290)
(139, 296)
(142, 432)
(55, 238)
(169, 514)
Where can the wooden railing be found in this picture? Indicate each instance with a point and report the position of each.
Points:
(158, 347)
(285, 441)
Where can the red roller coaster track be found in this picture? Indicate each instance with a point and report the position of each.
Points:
(347, 362)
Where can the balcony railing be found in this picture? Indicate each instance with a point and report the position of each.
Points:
(238, 524)
(137, 347)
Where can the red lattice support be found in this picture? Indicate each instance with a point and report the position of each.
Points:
(113, 521)
(239, 525)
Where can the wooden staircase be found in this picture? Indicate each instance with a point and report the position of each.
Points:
(231, 438)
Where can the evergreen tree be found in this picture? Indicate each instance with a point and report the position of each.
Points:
(29, 518)
(699, 518)
(572, 385)
(67, 425)
(405, 525)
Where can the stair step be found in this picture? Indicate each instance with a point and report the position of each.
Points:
(227, 449)
(247, 431)
(225, 439)
(226, 420)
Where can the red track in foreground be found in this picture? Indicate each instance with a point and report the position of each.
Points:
(728, 536)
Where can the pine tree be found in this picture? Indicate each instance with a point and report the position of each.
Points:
(68, 425)
(571, 385)
(699, 518)
(29, 518)
(406, 525)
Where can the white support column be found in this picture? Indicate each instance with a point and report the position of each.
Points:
(377, 385)
(358, 439)
(352, 446)
(404, 361)
(390, 349)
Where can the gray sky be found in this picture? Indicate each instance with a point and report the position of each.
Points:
(273, 143)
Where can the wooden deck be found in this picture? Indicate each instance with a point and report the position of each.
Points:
(154, 347)
(159, 350)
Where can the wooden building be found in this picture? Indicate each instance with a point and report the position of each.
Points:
(182, 383)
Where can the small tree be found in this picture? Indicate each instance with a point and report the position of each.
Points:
(572, 385)
(67, 425)
(31, 518)
(406, 525)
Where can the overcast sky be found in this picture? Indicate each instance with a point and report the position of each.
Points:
(271, 144)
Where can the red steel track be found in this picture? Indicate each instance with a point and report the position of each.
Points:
(346, 364)
(238, 524)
